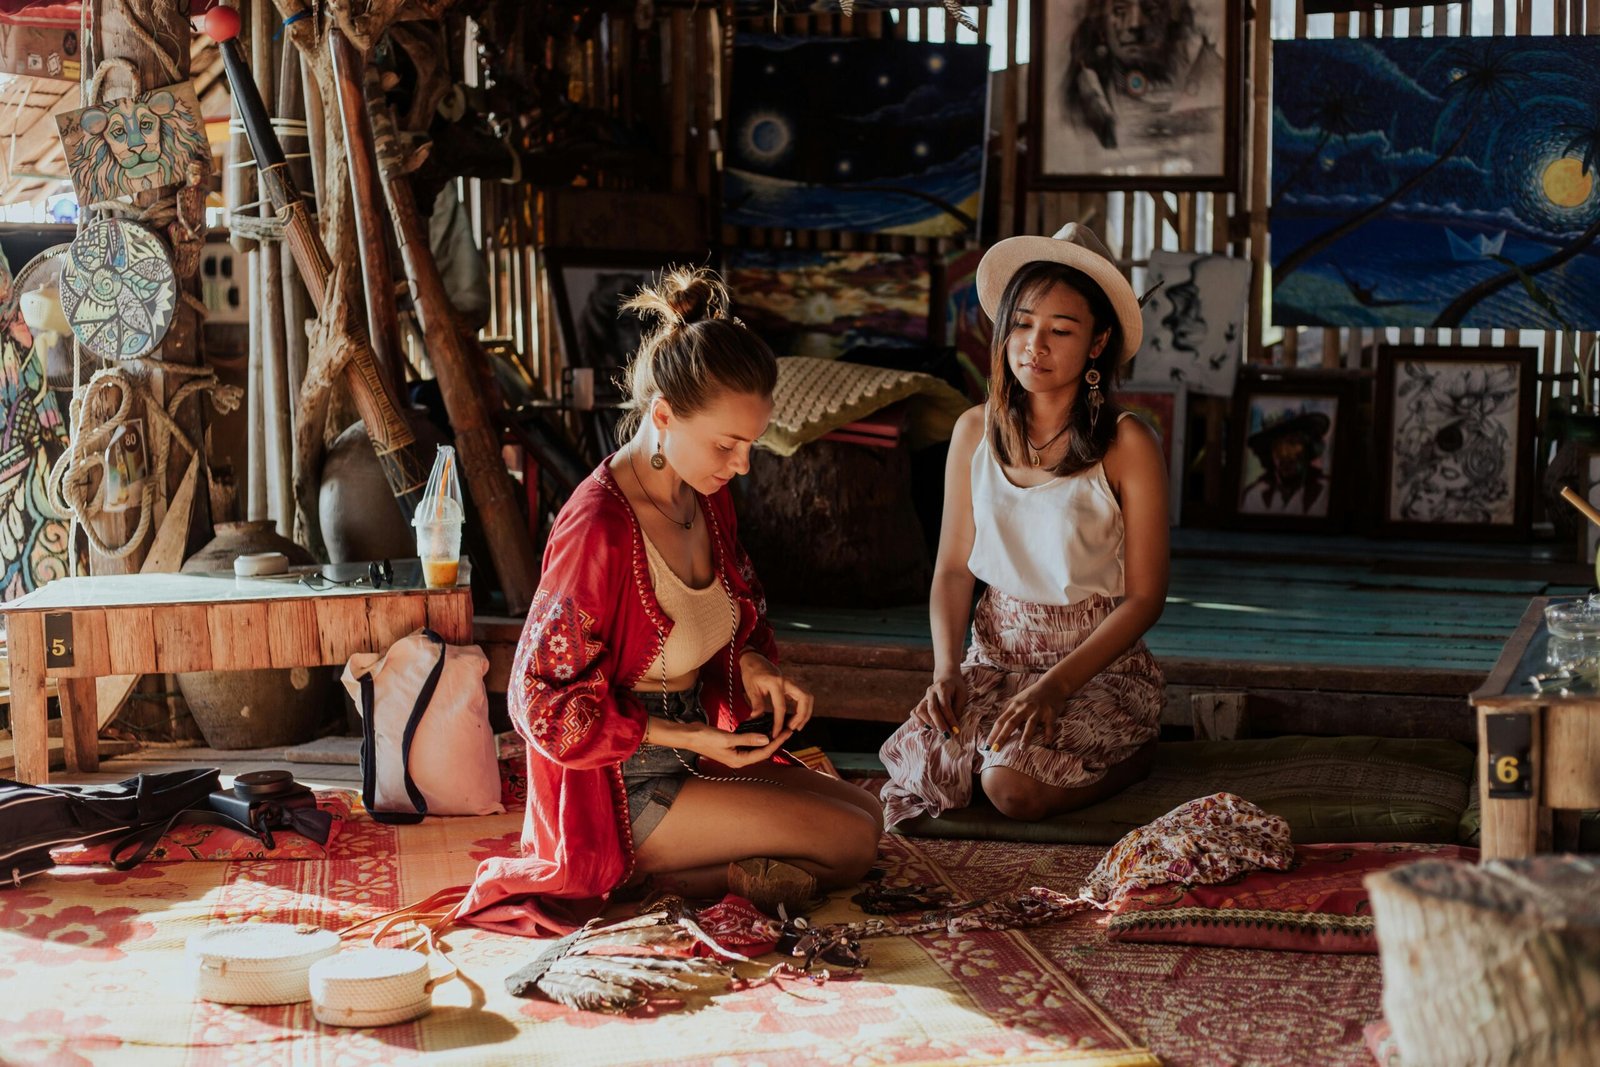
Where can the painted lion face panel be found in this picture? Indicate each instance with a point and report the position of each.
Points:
(132, 130)
(135, 145)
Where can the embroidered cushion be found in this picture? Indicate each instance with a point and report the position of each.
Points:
(1317, 905)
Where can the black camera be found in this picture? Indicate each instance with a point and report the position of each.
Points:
(270, 800)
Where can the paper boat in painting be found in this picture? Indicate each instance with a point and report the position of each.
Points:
(1478, 246)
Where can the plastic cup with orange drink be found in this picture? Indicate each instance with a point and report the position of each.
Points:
(438, 522)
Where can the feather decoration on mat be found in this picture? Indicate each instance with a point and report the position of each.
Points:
(620, 966)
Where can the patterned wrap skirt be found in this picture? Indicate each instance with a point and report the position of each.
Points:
(1014, 642)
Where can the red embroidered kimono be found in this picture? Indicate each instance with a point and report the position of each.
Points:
(594, 629)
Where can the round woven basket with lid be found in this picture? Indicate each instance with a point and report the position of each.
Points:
(372, 987)
(259, 963)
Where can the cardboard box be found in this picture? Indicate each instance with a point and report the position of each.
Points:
(41, 43)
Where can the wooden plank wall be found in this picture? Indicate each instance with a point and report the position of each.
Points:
(693, 48)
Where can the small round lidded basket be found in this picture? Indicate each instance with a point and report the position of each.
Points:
(259, 963)
(365, 987)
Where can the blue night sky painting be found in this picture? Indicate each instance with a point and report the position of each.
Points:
(1437, 182)
(875, 136)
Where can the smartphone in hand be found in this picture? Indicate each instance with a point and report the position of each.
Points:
(756, 724)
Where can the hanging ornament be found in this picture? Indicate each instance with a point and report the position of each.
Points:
(118, 289)
(136, 144)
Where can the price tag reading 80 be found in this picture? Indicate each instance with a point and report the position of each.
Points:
(1509, 738)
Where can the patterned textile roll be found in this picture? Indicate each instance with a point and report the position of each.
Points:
(1014, 643)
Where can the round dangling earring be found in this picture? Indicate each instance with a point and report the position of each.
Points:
(1091, 378)
(657, 460)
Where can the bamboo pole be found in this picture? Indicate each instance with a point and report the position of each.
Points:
(383, 319)
(269, 346)
(255, 507)
(477, 441)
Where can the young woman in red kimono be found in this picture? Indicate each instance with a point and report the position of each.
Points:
(647, 643)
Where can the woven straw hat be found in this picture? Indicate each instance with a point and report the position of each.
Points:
(1074, 246)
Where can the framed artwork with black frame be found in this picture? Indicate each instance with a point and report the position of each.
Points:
(1164, 407)
(1136, 94)
(1455, 439)
(588, 290)
(1289, 462)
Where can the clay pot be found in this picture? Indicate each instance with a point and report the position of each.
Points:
(355, 508)
(261, 708)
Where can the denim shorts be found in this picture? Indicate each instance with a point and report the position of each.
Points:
(654, 774)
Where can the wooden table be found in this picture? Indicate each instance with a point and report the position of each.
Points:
(75, 630)
(1538, 739)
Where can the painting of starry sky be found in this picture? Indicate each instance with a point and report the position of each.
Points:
(874, 136)
(1437, 182)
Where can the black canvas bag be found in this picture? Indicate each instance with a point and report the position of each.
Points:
(133, 814)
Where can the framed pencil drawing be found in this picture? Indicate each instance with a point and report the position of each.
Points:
(1455, 439)
(1288, 458)
(1136, 94)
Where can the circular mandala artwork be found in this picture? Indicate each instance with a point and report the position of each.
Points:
(118, 289)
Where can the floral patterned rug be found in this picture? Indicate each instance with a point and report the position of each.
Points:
(1191, 1006)
(94, 970)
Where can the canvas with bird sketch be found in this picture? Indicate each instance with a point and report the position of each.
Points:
(1194, 321)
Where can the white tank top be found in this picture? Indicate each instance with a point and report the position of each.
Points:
(704, 620)
(1055, 543)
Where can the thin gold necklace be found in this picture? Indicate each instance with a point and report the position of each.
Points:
(675, 521)
(1038, 450)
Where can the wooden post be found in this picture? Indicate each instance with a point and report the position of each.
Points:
(477, 441)
(1512, 825)
(25, 634)
(154, 38)
(383, 320)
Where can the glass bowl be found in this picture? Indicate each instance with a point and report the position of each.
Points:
(1575, 620)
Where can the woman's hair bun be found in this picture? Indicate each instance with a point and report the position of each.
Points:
(681, 297)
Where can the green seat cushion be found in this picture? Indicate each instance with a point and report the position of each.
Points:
(1330, 789)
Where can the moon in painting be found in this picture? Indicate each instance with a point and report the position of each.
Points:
(1565, 182)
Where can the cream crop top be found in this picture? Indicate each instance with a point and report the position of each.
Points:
(703, 621)
(1055, 543)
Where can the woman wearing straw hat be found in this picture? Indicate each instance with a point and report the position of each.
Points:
(1057, 502)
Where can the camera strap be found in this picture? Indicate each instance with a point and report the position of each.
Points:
(145, 838)
(369, 743)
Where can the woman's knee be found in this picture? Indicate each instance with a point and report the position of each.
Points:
(873, 807)
(852, 845)
(1017, 796)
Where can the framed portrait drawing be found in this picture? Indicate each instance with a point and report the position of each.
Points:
(1455, 439)
(1136, 94)
(1165, 409)
(1288, 453)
